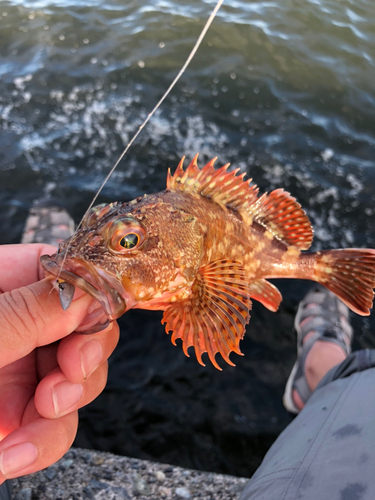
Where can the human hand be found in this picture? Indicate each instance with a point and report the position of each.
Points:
(46, 372)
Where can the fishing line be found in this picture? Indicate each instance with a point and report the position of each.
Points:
(180, 73)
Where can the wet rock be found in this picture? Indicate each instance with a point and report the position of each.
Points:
(59, 494)
(50, 473)
(98, 485)
(121, 492)
(140, 486)
(97, 460)
(160, 476)
(183, 493)
(116, 479)
(88, 493)
(165, 492)
(65, 464)
(24, 494)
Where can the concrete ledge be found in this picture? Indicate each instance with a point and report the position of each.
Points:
(86, 474)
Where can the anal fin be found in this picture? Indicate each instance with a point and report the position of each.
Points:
(214, 317)
(266, 293)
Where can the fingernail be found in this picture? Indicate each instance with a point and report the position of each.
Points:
(91, 357)
(17, 457)
(65, 396)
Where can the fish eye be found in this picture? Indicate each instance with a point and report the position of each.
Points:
(126, 234)
(129, 240)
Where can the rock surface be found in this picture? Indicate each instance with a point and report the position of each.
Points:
(92, 475)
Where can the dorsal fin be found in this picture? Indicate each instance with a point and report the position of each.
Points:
(284, 218)
(225, 188)
(277, 211)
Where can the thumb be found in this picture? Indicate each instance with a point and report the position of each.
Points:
(32, 316)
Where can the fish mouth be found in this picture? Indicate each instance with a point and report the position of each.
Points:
(107, 291)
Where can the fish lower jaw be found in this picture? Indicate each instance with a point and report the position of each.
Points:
(108, 300)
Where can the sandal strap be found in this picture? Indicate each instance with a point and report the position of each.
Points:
(337, 331)
(300, 382)
(326, 313)
(301, 386)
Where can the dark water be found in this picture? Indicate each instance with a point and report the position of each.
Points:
(283, 90)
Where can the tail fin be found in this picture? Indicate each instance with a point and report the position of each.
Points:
(350, 274)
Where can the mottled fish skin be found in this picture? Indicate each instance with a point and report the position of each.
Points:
(200, 251)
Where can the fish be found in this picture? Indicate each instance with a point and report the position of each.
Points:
(201, 251)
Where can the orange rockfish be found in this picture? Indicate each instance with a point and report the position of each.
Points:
(201, 251)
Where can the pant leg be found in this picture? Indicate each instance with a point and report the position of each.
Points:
(356, 362)
(328, 451)
(5, 491)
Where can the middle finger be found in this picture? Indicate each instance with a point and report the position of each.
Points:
(56, 396)
(79, 355)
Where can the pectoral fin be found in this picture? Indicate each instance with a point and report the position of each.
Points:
(214, 316)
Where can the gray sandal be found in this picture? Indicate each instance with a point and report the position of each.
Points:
(48, 222)
(322, 313)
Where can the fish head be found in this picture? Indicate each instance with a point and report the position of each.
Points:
(129, 255)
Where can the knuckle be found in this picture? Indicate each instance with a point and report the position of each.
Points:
(67, 430)
(100, 378)
(96, 383)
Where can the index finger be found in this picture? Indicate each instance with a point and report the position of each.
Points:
(19, 264)
(32, 316)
